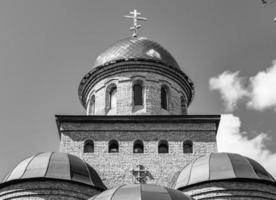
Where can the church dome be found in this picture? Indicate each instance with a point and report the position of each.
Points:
(221, 166)
(55, 165)
(136, 48)
(141, 191)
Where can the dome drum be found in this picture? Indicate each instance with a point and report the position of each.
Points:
(232, 189)
(134, 67)
(42, 188)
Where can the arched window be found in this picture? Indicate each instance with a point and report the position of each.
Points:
(164, 98)
(187, 146)
(183, 105)
(138, 94)
(92, 105)
(163, 146)
(113, 97)
(138, 147)
(113, 146)
(88, 146)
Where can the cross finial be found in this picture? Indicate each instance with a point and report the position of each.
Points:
(141, 174)
(135, 16)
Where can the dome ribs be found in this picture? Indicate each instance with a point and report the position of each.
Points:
(59, 166)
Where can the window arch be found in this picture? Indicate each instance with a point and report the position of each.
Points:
(164, 98)
(183, 105)
(138, 146)
(88, 146)
(92, 105)
(138, 93)
(113, 97)
(113, 146)
(188, 146)
(110, 97)
(163, 146)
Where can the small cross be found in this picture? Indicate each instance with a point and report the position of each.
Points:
(141, 174)
(135, 17)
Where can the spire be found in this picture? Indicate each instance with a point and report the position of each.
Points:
(135, 16)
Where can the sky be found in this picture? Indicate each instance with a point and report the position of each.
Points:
(226, 47)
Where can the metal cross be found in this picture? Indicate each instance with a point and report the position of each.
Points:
(135, 16)
(141, 174)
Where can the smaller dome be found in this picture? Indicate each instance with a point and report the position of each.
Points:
(221, 166)
(55, 165)
(136, 48)
(141, 191)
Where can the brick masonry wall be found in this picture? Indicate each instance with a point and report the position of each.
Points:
(232, 190)
(116, 168)
(47, 190)
(152, 83)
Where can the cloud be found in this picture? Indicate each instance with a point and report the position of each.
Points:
(259, 94)
(231, 139)
(263, 89)
(230, 86)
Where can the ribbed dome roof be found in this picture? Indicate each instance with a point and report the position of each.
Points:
(141, 191)
(136, 48)
(55, 165)
(221, 166)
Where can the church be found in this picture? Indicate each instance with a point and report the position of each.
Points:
(138, 140)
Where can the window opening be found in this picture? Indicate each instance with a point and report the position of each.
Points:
(138, 94)
(113, 97)
(88, 146)
(113, 146)
(188, 146)
(164, 98)
(163, 147)
(138, 147)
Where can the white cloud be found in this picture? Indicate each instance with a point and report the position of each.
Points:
(231, 139)
(260, 93)
(263, 89)
(230, 86)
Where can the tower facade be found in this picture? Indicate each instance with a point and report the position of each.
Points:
(137, 127)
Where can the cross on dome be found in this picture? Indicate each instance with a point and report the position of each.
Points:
(135, 16)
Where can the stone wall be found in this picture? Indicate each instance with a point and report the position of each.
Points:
(117, 168)
(47, 190)
(237, 190)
